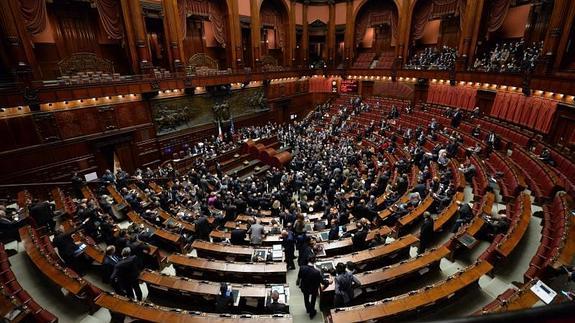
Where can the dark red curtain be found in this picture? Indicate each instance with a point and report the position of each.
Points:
(454, 96)
(111, 17)
(497, 13)
(34, 14)
(531, 112)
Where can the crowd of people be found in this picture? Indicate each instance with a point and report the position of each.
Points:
(433, 58)
(339, 167)
(510, 57)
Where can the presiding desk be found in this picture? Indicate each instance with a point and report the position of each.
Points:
(412, 301)
(217, 270)
(152, 313)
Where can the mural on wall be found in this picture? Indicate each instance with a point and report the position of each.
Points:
(180, 113)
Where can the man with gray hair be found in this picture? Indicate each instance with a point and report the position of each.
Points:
(126, 273)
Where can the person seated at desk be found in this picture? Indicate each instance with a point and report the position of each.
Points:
(476, 132)
(360, 237)
(545, 157)
(426, 233)
(225, 300)
(496, 224)
(70, 252)
(257, 233)
(468, 170)
(464, 216)
(275, 307)
(334, 230)
(238, 236)
(377, 240)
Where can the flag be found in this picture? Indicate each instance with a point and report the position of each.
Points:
(220, 135)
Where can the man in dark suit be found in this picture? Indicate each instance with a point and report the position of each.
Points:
(465, 214)
(310, 279)
(275, 307)
(108, 265)
(203, 228)
(456, 118)
(42, 213)
(126, 273)
(334, 230)
(426, 233)
(238, 236)
(360, 237)
(288, 243)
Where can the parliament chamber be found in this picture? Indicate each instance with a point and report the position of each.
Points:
(287, 160)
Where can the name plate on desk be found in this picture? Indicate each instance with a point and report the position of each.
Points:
(544, 292)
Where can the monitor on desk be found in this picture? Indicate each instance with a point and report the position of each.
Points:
(91, 176)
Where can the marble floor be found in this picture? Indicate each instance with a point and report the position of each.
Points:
(69, 309)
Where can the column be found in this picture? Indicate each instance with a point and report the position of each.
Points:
(475, 35)
(291, 35)
(130, 40)
(348, 37)
(331, 34)
(305, 34)
(174, 34)
(565, 38)
(405, 37)
(554, 31)
(466, 35)
(255, 32)
(235, 35)
(140, 36)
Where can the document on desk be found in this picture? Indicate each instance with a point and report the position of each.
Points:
(544, 292)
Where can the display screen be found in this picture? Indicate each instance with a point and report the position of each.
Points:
(348, 86)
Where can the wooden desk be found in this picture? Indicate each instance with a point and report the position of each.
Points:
(191, 290)
(217, 270)
(60, 275)
(415, 300)
(153, 313)
(371, 257)
(518, 226)
(334, 247)
(171, 238)
(445, 216)
(224, 251)
(394, 273)
(414, 215)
